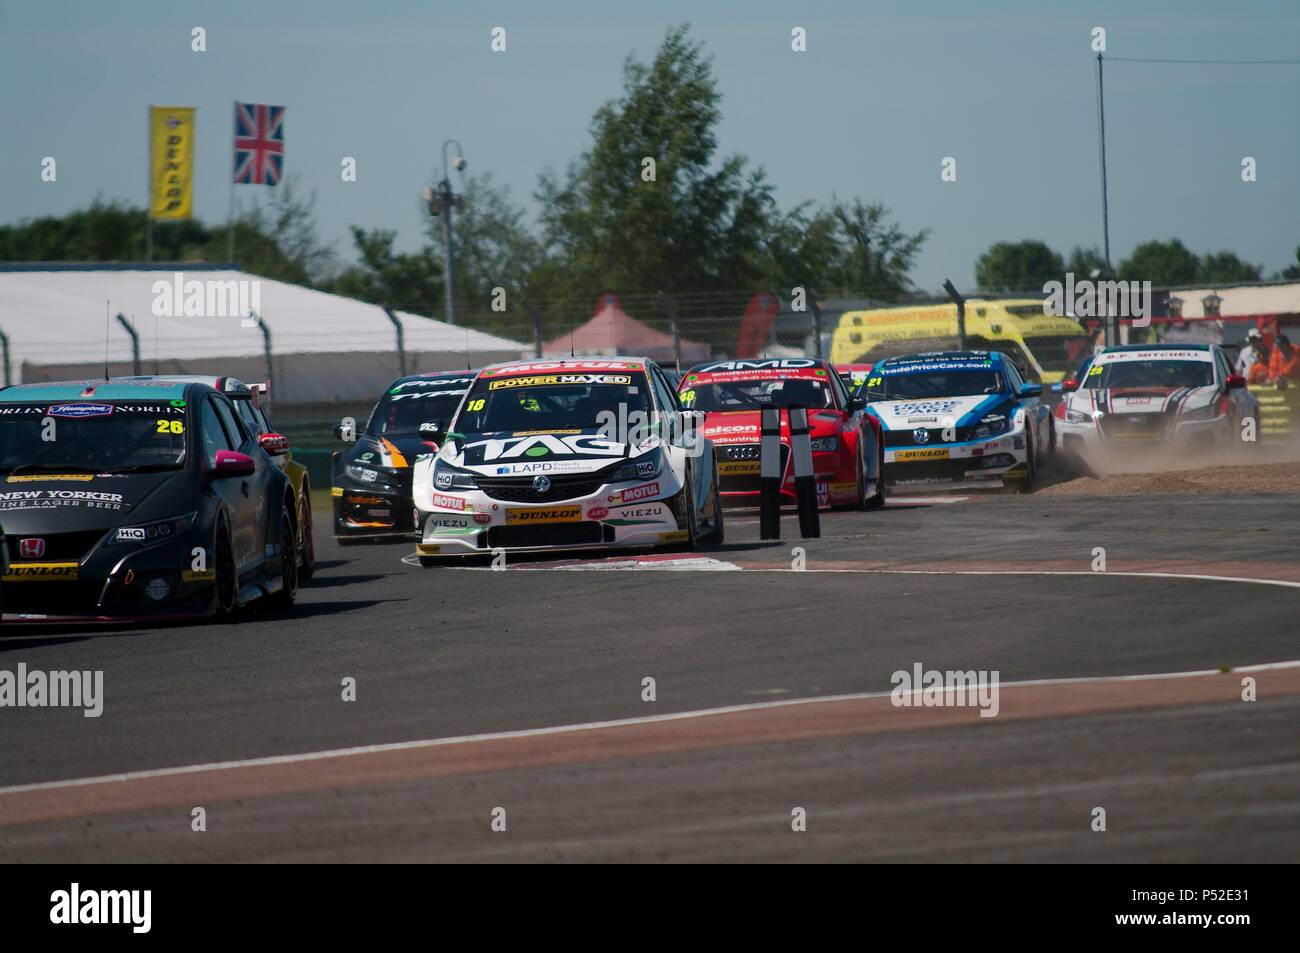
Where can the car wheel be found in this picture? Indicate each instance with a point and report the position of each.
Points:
(307, 548)
(1029, 482)
(284, 597)
(692, 517)
(428, 562)
(226, 582)
(877, 500)
(719, 534)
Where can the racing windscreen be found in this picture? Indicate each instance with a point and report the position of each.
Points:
(408, 404)
(92, 437)
(708, 395)
(547, 401)
(924, 378)
(1149, 373)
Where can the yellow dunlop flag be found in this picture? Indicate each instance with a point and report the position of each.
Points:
(171, 169)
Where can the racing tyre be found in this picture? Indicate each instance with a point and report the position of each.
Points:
(428, 562)
(283, 597)
(692, 519)
(307, 548)
(719, 534)
(226, 583)
(877, 500)
(1029, 482)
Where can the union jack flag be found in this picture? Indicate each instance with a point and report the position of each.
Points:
(259, 144)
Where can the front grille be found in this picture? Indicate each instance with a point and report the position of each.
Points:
(934, 438)
(53, 598)
(550, 534)
(746, 482)
(1135, 426)
(741, 451)
(520, 489)
(59, 547)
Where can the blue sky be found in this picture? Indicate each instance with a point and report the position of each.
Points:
(884, 92)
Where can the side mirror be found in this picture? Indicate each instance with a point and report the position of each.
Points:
(274, 443)
(232, 463)
(856, 404)
(1069, 385)
(1236, 381)
(1031, 390)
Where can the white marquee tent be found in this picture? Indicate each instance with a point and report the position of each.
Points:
(61, 324)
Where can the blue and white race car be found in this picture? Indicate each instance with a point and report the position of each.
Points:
(959, 418)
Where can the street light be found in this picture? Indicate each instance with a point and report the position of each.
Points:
(441, 201)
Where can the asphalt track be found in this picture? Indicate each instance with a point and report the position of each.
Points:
(478, 689)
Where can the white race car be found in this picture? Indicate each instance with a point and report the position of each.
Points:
(567, 454)
(1133, 397)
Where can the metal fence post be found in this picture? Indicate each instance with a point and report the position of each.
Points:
(401, 341)
(135, 343)
(266, 350)
(536, 319)
(667, 305)
(769, 474)
(805, 479)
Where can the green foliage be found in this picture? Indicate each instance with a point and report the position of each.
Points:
(1018, 266)
(1164, 264)
(404, 282)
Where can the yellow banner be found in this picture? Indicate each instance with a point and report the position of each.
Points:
(171, 169)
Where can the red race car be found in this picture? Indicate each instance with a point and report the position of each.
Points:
(846, 443)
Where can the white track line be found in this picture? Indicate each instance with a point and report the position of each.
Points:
(585, 726)
(630, 567)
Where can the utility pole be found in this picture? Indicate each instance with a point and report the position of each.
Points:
(441, 201)
(1112, 335)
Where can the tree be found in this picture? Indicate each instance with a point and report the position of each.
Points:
(1164, 264)
(387, 278)
(1223, 267)
(692, 222)
(277, 239)
(1086, 263)
(494, 248)
(1018, 266)
(1290, 272)
(848, 248)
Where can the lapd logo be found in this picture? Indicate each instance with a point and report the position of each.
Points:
(541, 484)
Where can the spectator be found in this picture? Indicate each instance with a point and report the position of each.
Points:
(1252, 353)
(1284, 365)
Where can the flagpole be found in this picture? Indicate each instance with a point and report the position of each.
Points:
(148, 229)
(230, 213)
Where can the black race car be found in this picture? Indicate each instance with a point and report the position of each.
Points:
(371, 485)
(138, 500)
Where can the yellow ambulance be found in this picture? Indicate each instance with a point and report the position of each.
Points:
(1045, 347)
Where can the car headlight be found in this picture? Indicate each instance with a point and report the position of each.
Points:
(826, 444)
(363, 474)
(1078, 417)
(448, 477)
(153, 532)
(642, 469)
(992, 425)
